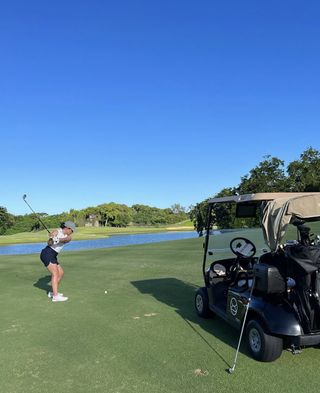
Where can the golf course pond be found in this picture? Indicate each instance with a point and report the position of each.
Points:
(112, 241)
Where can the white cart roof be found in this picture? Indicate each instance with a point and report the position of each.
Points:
(260, 196)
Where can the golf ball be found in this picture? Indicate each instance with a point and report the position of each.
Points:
(105, 291)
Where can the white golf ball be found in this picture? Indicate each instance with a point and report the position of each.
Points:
(105, 291)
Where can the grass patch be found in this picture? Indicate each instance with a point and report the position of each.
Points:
(129, 326)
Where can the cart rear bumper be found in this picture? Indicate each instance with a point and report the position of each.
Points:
(307, 340)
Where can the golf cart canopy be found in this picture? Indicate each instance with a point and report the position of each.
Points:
(279, 210)
(259, 197)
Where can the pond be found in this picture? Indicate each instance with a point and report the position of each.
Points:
(113, 241)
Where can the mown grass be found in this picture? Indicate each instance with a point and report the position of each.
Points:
(84, 233)
(141, 336)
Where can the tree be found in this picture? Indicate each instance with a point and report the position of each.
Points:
(6, 220)
(147, 215)
(268, 176)
(222, 216)
(178, 209)
(304, 174)
(114, 214)
(198, 215)
(224, 213)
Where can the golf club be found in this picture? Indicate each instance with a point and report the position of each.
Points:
(231, 369)
(24, 196)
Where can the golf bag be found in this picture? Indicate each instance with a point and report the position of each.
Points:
(303, 265)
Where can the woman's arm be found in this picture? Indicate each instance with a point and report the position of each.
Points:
(66, 239)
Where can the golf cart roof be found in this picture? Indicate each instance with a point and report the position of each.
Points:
(260, 196)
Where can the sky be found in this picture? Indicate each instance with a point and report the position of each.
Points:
(151, 102)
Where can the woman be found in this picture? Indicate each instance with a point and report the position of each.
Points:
(58, 238)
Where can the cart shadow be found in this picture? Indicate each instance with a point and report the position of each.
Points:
(43, 283)
(180, 296)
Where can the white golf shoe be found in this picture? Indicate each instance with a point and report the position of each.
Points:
(50, 294)
(59, 298)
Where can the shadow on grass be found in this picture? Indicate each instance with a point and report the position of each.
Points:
(43, 283)
(180, 295)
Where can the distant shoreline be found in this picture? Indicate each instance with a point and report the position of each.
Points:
(89, 233)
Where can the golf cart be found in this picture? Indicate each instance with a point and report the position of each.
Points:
(265, 280)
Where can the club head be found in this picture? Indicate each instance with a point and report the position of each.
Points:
(24, 196)
(230, 370)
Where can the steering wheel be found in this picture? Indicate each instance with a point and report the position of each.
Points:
(243, 247)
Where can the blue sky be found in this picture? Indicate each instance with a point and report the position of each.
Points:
(153, 102)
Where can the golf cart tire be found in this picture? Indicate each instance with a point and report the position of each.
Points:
(262, 346)
(201, 302)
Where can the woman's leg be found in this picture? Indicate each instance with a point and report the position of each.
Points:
(61, 273)
(55, 277)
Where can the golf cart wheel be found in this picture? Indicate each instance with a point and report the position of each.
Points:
(202, 303)
(262, 346)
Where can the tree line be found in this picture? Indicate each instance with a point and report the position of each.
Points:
(270, 175)
(108, 214)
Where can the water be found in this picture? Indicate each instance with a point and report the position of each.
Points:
(113, 241)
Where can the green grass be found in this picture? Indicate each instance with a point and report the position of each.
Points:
(183, 224)
(142, 336)
(84, 233)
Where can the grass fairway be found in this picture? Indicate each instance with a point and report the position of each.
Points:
(141, 336)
